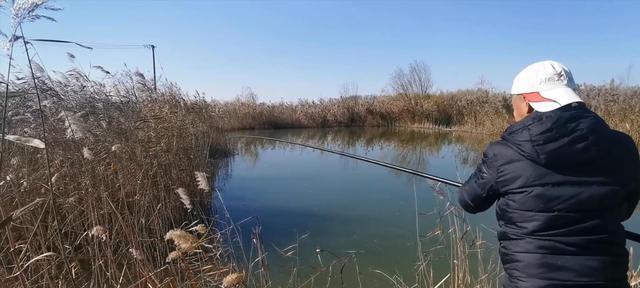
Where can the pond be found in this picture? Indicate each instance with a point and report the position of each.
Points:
(329, 221)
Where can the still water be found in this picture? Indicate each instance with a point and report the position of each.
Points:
(334, 218)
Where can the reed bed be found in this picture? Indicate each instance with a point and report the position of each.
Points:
(460, 109)
(477, 110)
(119, 196)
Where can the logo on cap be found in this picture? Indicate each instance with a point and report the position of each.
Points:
(557, 78)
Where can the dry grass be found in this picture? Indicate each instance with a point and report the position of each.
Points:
(617, 104)
(477, 110)
(117, 152)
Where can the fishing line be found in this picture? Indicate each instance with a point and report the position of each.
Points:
(362, 158)
(635, 237)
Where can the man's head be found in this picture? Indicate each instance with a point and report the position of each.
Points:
(542, 86)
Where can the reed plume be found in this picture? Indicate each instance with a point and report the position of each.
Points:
(76, 128)
(184, 241)
(99, 231)
(200, 228)
(25, 141)
(184, 198)
(173, 255)
(233, 280)
(135, 253)
(87, 154)
(201, 180)
(116, 148)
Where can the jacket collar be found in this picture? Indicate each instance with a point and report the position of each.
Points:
(536, 117)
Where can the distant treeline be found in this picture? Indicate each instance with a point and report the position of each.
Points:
(478, 110)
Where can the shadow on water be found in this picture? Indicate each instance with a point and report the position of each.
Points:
(345, 208)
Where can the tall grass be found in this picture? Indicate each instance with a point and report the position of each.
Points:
(118, 152)
(460, 109)
(477, 110)
(619, 105)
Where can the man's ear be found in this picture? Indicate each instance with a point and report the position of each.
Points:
(529, 108)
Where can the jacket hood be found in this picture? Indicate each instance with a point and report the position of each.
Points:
(568, 135)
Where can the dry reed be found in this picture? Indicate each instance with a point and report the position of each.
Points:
(478, 110)
(117, 152)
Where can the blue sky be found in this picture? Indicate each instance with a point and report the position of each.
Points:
(285, 50)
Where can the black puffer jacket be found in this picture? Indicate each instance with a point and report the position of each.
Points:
(563, 182)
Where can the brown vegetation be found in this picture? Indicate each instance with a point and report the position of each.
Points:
(477, 110)
(124, 200)
(619, 105)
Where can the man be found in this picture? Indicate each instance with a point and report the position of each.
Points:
(563, 182)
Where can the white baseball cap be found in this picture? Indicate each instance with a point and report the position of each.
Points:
(546, 85)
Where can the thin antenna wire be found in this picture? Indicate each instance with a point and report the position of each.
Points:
(93, 45)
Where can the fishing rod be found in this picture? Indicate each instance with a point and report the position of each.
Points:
(361, 158)
(635, 237)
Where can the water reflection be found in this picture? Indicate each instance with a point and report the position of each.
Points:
(405, 147)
